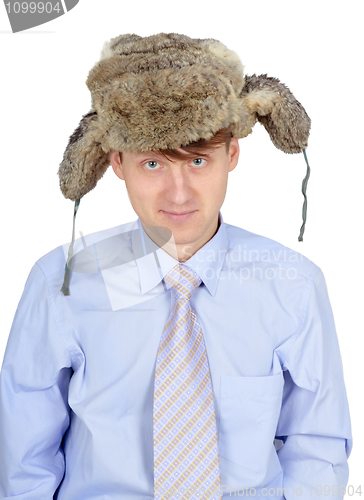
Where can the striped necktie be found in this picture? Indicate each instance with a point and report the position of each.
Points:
(186, 460)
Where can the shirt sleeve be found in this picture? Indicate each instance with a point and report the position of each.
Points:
(314, 422)
(34, 413)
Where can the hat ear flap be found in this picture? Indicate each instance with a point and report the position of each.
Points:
(84, 160)
(283, 117)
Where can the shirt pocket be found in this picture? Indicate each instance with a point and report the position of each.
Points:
(249, 412)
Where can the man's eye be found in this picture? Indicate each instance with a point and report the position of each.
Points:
(152, 165)
(198, 162)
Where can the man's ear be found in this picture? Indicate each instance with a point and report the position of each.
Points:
(116, 164)
(234, 151)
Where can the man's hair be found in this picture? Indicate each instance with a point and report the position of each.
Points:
(194, 149)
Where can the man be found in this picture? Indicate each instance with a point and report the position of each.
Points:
(183, 357)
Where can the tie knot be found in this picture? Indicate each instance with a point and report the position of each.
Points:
(184, 281)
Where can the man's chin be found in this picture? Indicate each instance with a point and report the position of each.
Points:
(170, 236)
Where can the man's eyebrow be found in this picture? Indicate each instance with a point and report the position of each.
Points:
(147, 154)
(197, 154)
(206, 153)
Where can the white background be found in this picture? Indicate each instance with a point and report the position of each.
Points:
(314, 47)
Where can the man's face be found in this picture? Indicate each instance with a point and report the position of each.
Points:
(184, 196)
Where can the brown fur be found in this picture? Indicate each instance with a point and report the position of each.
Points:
(166, 91)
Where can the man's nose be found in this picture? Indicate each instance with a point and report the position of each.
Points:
(178, 186)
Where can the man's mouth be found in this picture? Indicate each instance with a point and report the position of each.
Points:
(179, 216)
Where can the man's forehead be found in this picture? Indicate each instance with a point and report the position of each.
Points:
(205, 151)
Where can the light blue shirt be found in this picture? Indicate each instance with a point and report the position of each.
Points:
(76, 400)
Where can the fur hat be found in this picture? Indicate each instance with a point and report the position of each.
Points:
(166, 91)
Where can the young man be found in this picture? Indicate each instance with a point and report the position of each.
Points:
(183, 357)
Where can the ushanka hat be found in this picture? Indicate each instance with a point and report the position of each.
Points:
(165, 91)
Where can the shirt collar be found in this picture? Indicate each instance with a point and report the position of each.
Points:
(154, 263)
